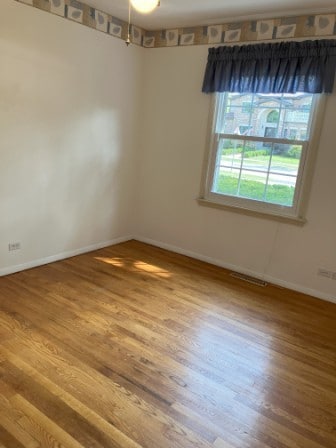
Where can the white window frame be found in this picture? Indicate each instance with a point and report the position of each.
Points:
(296, 213)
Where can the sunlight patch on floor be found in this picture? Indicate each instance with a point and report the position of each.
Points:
(136, 266)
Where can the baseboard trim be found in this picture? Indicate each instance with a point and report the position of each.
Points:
(61, 256)
(239, 269)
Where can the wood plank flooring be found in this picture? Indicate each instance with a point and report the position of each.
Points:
(133, 347)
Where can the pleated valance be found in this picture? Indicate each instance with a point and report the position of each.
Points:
(282, 67)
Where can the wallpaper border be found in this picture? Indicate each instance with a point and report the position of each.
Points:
(306, 26)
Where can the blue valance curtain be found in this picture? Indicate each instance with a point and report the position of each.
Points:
(285, 67)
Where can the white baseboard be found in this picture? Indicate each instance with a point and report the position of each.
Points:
(61, 256)
(231, 267)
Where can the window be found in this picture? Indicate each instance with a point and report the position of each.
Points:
(259, 160)
(246, 107)
(292, 133)
(273, 117)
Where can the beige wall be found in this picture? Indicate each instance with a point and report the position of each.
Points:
(69, 100)
(174, 138)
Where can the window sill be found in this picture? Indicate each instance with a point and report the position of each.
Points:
(260, 214)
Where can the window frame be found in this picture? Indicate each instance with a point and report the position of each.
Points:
(294, 214)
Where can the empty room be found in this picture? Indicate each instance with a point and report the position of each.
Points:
(167, 224)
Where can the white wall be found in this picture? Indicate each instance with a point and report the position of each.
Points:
(69, 103)
(174, 138)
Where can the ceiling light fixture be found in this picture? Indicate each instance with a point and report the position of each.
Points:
(145, 6)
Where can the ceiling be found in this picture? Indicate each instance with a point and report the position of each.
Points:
(184, 13)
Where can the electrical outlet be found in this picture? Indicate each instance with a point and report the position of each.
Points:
(324, 273)
(14, 246)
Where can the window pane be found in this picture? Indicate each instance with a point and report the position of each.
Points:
(286, 159)
(231, 152)
(265, 115)
(280, 190)
(236, 114)
(252, 185)
(226, 181)
(256, 156)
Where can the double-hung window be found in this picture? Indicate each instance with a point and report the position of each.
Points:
(265, 121)
(260, 148)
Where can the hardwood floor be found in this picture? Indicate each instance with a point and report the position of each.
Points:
(133, 346)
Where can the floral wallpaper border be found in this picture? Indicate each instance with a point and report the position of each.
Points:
(308, 26)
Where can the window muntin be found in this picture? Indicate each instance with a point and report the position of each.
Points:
(259, 152)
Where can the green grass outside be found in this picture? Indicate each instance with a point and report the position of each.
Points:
(251, 189)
